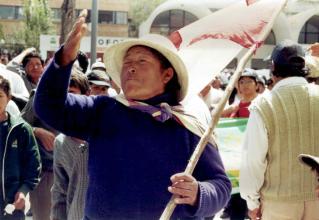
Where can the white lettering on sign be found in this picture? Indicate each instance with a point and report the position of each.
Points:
(103, 41)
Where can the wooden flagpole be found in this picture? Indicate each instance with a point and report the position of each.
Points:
(218, 110)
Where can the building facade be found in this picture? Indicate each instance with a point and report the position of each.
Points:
(299, 22)
(112, 18)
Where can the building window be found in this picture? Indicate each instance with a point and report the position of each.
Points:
(112, 17)
(106, 17)
(109, 17)
(7, 12)
(170, 21)
(18, 12)
(309, 33)
(56, 14)
(121, 17)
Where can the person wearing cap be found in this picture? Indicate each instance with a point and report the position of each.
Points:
(261, 84)
(99, 82)
(115, 89)
(139, 142)
(247, 89)
(282, 124)
(312, 162)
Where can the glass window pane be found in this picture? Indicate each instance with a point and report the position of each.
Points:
(106, 17)
(160, 30)
(161, 19)
(312, 38)
(311, 28)
(19, 11)
(177, 18)
(56, 14)
(7, 12)
(121, 17)
(189, 18)
(301, 38)
(309, 33)
(170, 21)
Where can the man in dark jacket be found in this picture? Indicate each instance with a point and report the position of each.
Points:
(20, 160)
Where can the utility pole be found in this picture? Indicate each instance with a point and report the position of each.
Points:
(94, 20)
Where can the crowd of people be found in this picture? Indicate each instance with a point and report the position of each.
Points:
(112, 141)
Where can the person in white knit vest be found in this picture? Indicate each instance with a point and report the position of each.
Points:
(282, 125)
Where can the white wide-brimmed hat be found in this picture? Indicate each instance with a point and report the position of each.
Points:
(114, 54)
(309, 160)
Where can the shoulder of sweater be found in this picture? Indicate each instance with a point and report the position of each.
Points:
(59, 139)
(260, 100)
(64, 145)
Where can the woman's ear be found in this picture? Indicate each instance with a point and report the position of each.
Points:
(168, 74)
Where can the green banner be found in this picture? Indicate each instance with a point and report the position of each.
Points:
(229, 136)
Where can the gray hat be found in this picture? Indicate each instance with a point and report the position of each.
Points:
(261, 79)
(249, 73)
(98, 66)
(310, 161)
(99, 77)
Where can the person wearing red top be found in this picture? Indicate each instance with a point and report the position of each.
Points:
(236, 208)
(247, 86)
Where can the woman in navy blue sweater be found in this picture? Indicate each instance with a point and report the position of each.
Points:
(140, 142)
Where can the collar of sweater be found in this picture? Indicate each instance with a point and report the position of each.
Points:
(163, 111)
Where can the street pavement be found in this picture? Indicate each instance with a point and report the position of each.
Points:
(216, 217)
(30, 218)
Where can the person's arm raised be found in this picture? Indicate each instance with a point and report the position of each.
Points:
(70, 114)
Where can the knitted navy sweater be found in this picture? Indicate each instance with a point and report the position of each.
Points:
(131, 155)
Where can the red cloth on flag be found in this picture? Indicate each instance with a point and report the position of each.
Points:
(207, 45)
(238, 23)
(249, 2)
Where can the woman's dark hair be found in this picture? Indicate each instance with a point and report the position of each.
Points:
(173, 85)
(28, 57)
(296, 67)
(232, 96)
(5, 86)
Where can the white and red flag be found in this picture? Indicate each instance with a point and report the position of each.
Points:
(249, 2)
(209, 44)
